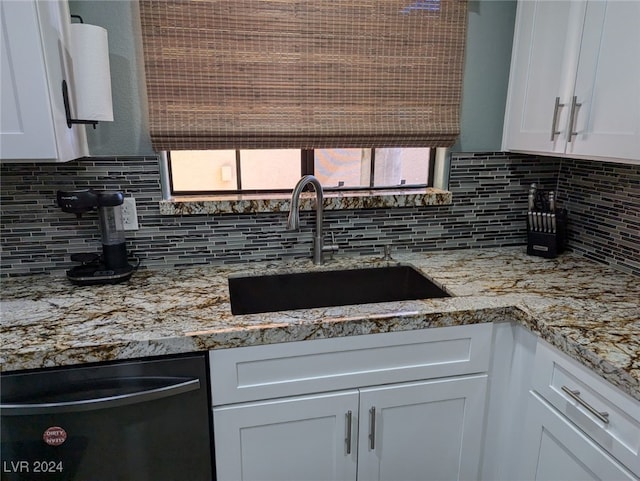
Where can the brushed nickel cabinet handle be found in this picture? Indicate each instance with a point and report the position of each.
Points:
(575, 395)
(554, 121)
(572, 117)
(347, 439)
(372, 428)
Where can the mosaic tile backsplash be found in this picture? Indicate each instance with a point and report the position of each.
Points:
(603, 200)
(488, 210)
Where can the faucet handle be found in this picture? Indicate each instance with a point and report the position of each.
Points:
(331, 248)
(387, 253)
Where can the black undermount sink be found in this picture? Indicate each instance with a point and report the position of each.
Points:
(284, 292)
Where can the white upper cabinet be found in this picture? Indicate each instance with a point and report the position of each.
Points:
(608, 82)
(34, 62)
(574, 88)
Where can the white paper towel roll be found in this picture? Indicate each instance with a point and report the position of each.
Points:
(91, 86)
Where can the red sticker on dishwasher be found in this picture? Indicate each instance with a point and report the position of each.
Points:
(54, 436)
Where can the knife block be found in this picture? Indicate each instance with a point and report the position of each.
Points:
(548, 244)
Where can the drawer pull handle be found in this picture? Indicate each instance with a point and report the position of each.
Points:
(372, 428)
(347, 440)
(575, 395)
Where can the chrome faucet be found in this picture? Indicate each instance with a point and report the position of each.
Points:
(293, 222)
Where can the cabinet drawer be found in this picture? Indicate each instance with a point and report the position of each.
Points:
(606, 414)
(555, 449)
(278, 370)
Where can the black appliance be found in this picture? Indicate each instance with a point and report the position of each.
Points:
(137, 421)
(113, 266)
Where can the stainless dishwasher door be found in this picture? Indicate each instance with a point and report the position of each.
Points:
(136, 421)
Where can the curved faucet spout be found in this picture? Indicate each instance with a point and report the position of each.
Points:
(293, 222)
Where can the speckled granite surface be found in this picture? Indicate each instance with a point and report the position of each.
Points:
(254, 203)
(586, 310)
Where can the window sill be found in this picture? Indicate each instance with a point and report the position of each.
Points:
(257, 203)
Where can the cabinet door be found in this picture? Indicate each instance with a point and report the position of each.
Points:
(298, 438)
(34, 62)
(429, 430)
(554, 449)
(26, 129)
(607, 121)
(545, 46)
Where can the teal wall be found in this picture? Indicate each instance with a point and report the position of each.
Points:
(128, 134)
(490, 32)
(486, 74)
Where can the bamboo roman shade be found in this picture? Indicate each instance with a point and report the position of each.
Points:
(303, 74)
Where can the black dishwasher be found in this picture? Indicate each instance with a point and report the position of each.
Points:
(146, 420)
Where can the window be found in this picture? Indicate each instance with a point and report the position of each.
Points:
(231, 81)
(277, 170)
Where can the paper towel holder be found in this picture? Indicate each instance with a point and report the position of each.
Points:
(65, 98)
(91, 84)
(67, 109)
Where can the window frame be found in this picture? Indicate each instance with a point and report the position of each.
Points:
(307, 167)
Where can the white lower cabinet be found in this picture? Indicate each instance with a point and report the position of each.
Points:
(477, 402)
(429, 430)
(577, 427)
(555, 449)
(290, 439)
(402, 406)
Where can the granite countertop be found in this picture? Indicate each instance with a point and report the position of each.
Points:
(587, 310)
(281, 202)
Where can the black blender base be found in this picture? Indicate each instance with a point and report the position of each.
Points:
(95, 274)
